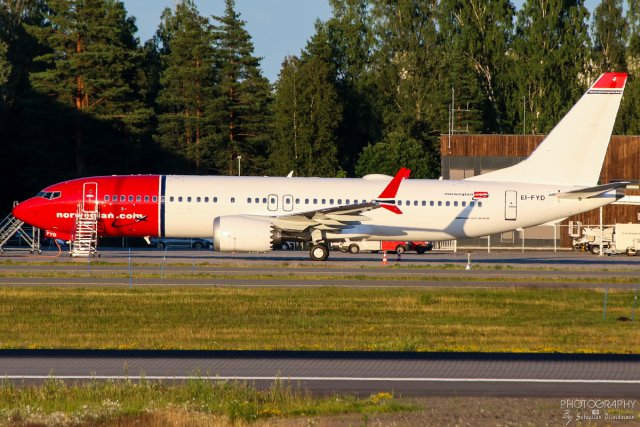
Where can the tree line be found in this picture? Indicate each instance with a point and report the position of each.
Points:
(372, 90)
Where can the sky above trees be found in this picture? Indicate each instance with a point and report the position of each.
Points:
(278, 27)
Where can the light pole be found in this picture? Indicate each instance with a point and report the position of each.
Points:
(239, 158)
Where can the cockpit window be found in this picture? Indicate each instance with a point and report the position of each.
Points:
(49, 194)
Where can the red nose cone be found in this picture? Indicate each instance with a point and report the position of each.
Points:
(26, 212)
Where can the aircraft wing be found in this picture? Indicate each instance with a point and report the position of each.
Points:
(326, 219)
(338, 217)
(585, 193)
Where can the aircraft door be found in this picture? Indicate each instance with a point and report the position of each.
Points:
(287, 202)
(90, 196)
(510, 205)
(272, 203)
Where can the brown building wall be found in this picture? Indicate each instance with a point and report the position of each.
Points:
(622, 162)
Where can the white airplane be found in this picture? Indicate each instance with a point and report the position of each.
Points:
(246, 214)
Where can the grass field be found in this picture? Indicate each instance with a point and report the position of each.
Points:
(443, 319)
(195, 402)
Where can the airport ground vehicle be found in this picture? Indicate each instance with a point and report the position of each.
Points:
(621, 238)
(389, 246)
(194, 243)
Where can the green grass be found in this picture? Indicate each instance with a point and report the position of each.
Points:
(96, 402)
(512, 320)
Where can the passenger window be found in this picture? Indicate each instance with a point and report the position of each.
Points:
(131, 198)
(297, 201)
(189, 199)
(448, 203)
(264, 200)
(479, 204)
(106, 198)
(330, 201)
(273, 200)
(315, 201)
(472, 203)
(339, 201)
(146, 198)
(399, 202)
(115, 198)
(198, 199)
(306, 201)
(455, 203)
(346, 201)
(123, 198)
(180, 199)
(424, 203)
(248, 199)
(171, 199)
(257, 199)
(324, 201)
(233, 200)
(464, 204)
(138, 198)
(431, 203)
(415, 203)
(439, 203)
(206, 199)
(215, 200)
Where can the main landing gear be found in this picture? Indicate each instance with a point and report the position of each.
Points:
(319, 252)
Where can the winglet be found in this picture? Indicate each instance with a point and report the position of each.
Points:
(391, 190)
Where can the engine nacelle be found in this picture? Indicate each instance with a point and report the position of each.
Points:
(238, 233)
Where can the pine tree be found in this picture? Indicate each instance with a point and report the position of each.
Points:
(478, 36)
(307, 112)
(5, 68)
(244, 96)
(92, 67)
(551, 61)
(609, 36)
(408, 68)
(186, 100)
(351, 40)
(628, 119)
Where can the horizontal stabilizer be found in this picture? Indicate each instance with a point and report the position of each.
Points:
(584, 193)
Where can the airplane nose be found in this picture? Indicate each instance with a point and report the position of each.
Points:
(26, 212)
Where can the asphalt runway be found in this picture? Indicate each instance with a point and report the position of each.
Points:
(325, 372)
(407, 374)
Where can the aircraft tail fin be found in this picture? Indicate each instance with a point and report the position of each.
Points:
(573, 152)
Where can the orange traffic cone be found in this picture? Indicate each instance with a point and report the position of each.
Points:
(384, 258)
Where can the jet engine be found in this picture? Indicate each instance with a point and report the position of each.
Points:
(239, 233)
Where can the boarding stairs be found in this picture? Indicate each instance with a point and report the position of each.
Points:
(84, 242)
(12, 226)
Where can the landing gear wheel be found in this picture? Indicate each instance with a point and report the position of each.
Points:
(198, 245)
(354, 249)
(595, 249)
(319, 252)
(421, 249)
(631, 252)
(400, 249)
